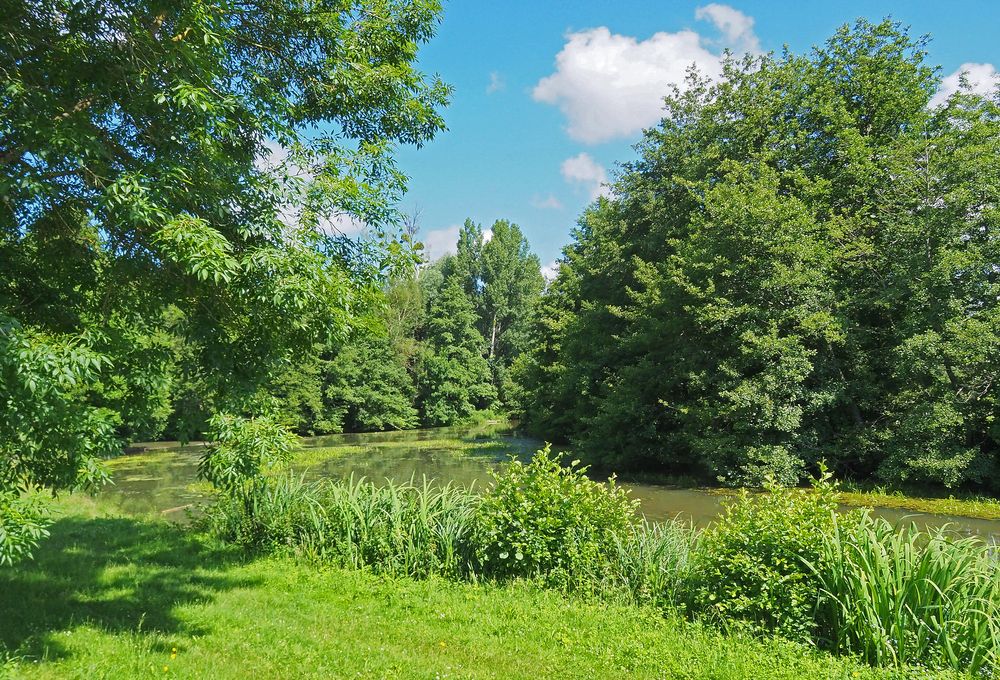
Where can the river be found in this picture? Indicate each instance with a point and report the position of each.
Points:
(162, 477)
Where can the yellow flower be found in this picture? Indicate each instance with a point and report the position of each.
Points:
(441, 644)
(165, 669)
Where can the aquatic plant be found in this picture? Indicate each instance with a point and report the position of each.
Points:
(905, 596)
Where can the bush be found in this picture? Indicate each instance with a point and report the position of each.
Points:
(907, 596)
(544, 520)
(751, 567)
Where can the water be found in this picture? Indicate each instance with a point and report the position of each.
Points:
(162, 478)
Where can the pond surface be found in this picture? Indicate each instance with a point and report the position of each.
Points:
(162, 477)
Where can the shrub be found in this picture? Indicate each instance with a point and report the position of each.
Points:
(907, 596)
(244, 450)
(750, 567)
(541, 519)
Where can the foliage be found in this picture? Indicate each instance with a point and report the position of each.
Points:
(751, 567)
(243, 451)
(503, 279)
(798, 267)
(454, 378)
(167, 172)
(541, 519)
(903, 596)
(369, 388)
(24, 519)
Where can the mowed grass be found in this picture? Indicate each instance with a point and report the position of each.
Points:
(123, 597)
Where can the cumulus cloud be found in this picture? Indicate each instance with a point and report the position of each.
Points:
(550, 270)
(582, 170)
(609, 85)
(497, 83)
(549, 202)
(982, 79)
(440, 242)
(735, 26)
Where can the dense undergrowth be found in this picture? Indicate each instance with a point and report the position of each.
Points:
(782, 563)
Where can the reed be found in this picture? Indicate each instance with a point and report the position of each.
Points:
(399, 528)
(648, 565)
(904, 596)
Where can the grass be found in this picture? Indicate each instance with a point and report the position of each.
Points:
(964, 505)
(112, 597)
(315, 455)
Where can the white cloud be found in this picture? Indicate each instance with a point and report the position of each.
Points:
(735, 26)
(550, 270)
(611, 85)
(342, 224)
(983, 79)
(584, 170)
(549, 202)
(487, 235)
(439, 242)
(497, 83)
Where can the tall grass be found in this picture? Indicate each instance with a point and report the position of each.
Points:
(404, 529)
(649, 565)
(905, 596)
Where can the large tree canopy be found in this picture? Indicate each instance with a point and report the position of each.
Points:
(802, 264)
(172, 174)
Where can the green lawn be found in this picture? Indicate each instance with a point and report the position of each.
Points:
(113, 597)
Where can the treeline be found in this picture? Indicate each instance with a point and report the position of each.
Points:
(802, 265)
(436, 348)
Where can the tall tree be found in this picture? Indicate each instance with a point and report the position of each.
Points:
(454, 377)
(800, 265)
(182, 161)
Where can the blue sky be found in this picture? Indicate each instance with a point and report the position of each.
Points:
(550, 94)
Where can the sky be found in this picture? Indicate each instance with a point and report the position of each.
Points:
(550, 95)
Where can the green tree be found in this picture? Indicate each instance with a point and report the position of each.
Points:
(800, 265)
(503, 279)
(454, 377)
(186, 158)
(369, 388)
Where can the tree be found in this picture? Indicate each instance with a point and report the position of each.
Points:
(369, 388)
(454, 378)
(503, 280)
(801, 265)
(174, 168)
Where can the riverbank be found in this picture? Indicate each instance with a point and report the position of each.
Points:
(163, 477)
(112, 596)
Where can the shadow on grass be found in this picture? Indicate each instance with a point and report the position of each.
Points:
(117, 574)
